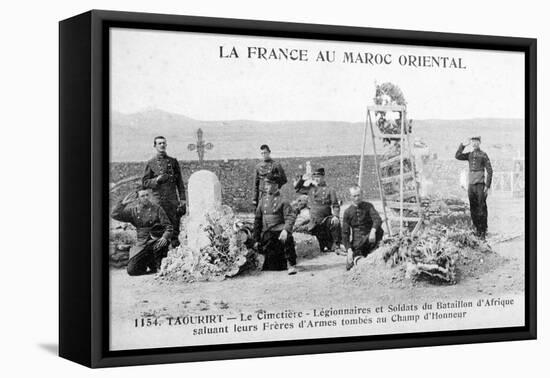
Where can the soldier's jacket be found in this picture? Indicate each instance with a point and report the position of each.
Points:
(143, 219)
(322, 202)
(261, 170)
(357, 223)
(274, 213)
(165, 191)
(479, 162)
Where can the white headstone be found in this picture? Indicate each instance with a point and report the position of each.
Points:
(205, 193)
(204, 196)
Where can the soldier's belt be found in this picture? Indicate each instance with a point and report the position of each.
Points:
(273, 219)
(274, 228)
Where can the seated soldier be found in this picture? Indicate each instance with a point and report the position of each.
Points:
(153, 231)
(324, 210)
(361, 227)
(273, 225)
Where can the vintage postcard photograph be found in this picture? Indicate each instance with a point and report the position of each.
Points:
(273, 189)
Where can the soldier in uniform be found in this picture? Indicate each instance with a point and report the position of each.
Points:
(153, 231)
(361, 227)
(478, 184)
(163, 176)
(273, 223)
(267, 165)
(324, 210)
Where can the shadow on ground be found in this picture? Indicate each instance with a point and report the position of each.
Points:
(52, 348)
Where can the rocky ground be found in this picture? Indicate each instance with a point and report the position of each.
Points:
(320, 281)
(323, 280)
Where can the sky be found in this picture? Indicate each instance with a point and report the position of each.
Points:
(183, 73)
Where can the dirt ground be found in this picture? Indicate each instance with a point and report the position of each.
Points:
(322, 280)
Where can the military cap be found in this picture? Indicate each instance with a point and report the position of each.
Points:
(476, 138)
(319, 172)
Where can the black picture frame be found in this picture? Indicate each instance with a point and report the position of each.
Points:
(83, 197)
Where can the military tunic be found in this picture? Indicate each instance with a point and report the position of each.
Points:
(478, 162)
(273, 215)
(357, 223)
(261, 171)
(323, 206)
(143, 255)
(166, 191)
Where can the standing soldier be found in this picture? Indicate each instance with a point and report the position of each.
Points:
(478, 186)
(324, 211)
(163, 176)
(267, 165)
(361, 227)
(273, 225)
(153, 231)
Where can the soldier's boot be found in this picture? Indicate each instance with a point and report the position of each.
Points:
(157, 263)
(335, 248)
(335, 237)
(340, 250)
(323, 245)
(291, 269)
(349, 259)
(174, 242)
(478, 232)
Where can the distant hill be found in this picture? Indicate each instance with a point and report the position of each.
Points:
(132, 136)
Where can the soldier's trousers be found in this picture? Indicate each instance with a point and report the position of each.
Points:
(171, 210)
(277, 253)
(363, 247)
(478, 206)
(148, 258)
(327, 234)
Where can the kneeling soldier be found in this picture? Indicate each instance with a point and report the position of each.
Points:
(153, 232)
(324, 211)
(364, 223)
(273, 225)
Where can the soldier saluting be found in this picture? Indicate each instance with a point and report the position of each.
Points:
(153, 230)
(478, 184)
(267, 165)
(163, 176)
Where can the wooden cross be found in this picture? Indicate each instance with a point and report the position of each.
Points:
(200, 146)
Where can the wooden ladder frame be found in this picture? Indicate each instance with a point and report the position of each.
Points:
(402, 136)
